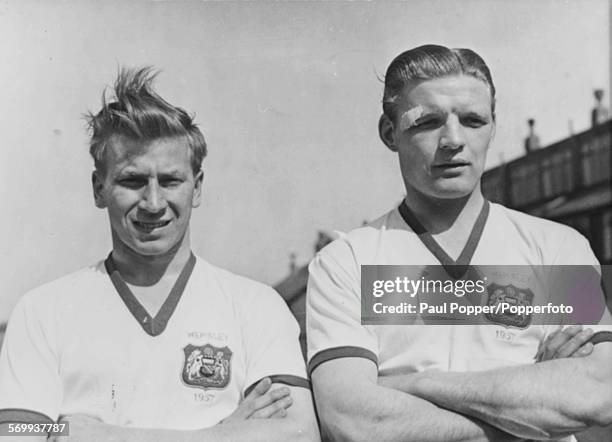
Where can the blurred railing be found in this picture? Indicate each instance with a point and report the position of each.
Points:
(564, 168)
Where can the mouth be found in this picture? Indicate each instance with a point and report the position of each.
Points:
(451, 165)
(149, 226)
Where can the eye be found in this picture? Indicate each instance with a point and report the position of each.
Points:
(132, 183)
(474, 121)
(428, 123)
(170, 182)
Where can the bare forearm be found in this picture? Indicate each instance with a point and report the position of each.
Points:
(428, 422)
(544, 400)
(98, 432)
(378, 413)
(266, 414)
(264, 430)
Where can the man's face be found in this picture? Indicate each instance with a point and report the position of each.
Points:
(149, 190)
(442, 135)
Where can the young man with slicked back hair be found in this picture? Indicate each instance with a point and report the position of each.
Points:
(448, 382)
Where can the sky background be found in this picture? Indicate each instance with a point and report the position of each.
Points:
(288, 98)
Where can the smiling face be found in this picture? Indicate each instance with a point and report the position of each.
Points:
(149, 189)
(443, 130)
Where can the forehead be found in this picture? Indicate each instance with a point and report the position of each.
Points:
(123, 153)
(458, 92)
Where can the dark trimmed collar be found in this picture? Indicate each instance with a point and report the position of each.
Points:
(154, 326)
(455, 268)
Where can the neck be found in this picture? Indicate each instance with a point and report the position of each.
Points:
(440, 214)
(147, 270)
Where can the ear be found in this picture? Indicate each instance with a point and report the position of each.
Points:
(197, 191)
(493, 130)
(385, 132)
(97, 182)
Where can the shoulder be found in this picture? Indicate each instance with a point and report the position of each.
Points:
(360, 244)
(550, 239)
(68, 286)
(241, 291)
(533, 225)
(54, 302)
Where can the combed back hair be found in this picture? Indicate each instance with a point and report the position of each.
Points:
(429, 62)
(137, 112)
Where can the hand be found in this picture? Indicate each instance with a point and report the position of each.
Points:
(262, 403)
(79, 425)
(569, 342)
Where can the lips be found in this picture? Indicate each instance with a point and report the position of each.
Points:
(451, 165)
(149, 226)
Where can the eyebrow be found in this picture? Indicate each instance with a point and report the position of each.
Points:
(431, 113)
(129, 174)
(130, 171)
(171, 174)
(437, 112)
(434, 111)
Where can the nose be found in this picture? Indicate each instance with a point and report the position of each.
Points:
(452, 136)
(153, 199)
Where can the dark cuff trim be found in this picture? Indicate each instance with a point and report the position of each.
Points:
(287, 379)
(22, 416)
(599, 337)
(340, 352)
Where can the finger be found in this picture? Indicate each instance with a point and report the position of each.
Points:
(279, 414)
(559, 339)
(559, 329)
(261, 388)
(583, 351)
(543, 344)
(572, 330)
(253, 403)
(270, 397)
(574, 344)
(248, 405)
(270, 410)
(554, 343)
(542, 348)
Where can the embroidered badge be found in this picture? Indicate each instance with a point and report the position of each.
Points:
(513, 296)
(207, 366)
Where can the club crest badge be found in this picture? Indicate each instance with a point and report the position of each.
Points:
(512, 296)
(207, 366)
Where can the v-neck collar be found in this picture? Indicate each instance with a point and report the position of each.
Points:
(455, 268)
(154, 326)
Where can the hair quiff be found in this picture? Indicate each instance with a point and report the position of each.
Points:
(137, 112)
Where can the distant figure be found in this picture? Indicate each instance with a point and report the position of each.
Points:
(532, 142)
(322, 240)
(2, 331)
(292, 262)
(599, 114)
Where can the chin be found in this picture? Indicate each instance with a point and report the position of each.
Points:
(151, 249)
(452, 191)
(454, 194)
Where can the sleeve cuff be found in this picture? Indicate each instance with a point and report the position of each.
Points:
(287, 379)
(22, 416)
(340, 352)
(602, 336)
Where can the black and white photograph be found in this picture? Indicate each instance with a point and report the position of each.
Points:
(200, 195)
